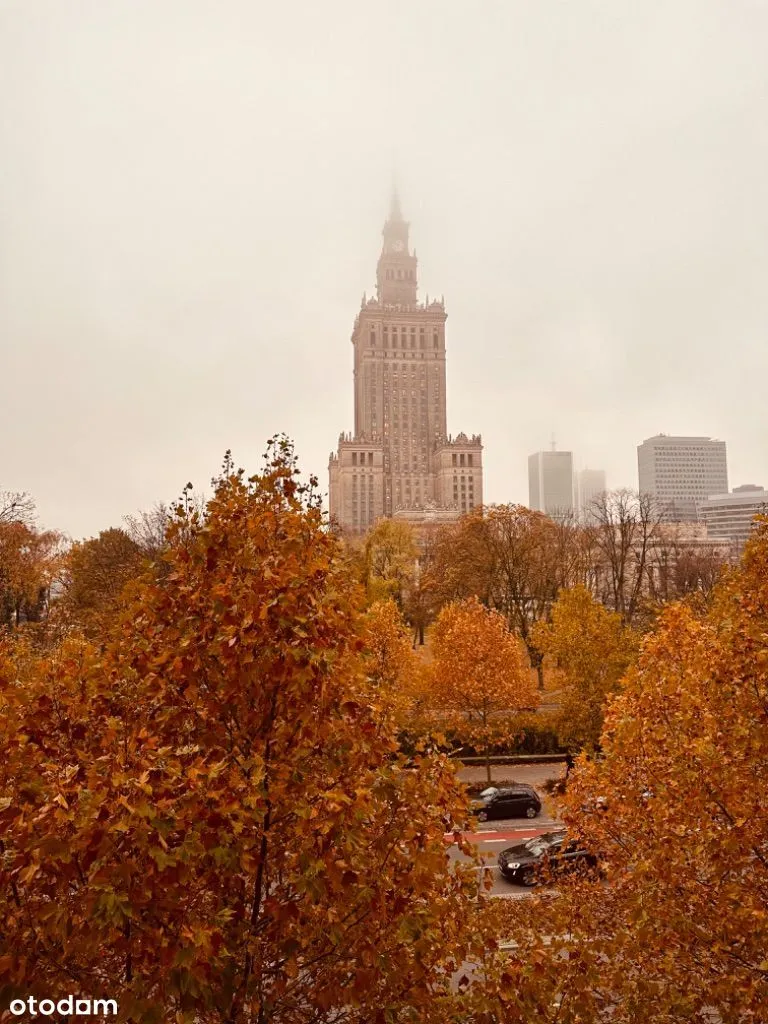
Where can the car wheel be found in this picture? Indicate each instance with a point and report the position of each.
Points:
(531, 811)
(482, 815)
(528, 877)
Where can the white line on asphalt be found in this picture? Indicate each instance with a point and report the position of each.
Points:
(494, 832)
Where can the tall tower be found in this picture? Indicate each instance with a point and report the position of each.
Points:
(400, 461)
(396, 281)
(550, 482)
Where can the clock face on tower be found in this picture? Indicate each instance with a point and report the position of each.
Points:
(398, 245)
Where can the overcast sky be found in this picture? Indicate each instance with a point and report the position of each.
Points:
(191, 202)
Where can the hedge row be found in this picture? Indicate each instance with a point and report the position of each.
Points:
(527, 733)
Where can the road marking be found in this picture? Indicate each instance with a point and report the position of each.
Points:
(479, 837)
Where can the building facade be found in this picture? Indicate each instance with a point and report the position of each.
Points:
(550, 483)
(589, 484)
(681, 473)
(400, 459)
(731, 516)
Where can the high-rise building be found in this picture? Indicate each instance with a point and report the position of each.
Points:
(589, 484)
(681, 472)
(400, 459)
(731, 516)
(550, 482)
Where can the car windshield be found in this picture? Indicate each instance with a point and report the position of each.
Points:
(488, 793)
(539, 844)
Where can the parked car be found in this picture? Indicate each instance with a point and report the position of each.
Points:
(519, 801)
(543, 858)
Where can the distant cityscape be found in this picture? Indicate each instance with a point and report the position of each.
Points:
(400, 461)
(686, 476)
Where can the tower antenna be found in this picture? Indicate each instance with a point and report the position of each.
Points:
(395, 212)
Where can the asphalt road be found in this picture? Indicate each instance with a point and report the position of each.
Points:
(491, 837)
(495, 836)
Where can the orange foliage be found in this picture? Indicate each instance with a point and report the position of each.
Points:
(478, 671)
(676, 807)
(208, 819)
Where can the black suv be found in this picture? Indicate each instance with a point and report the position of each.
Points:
(518, 801)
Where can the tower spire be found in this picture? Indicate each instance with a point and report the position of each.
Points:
(395, 212)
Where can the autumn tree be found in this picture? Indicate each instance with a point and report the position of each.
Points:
(478, 671)
(30, 560)
(17, 507)
(682, 562)
(390, 556)
(208, 818)
(625, 527)
(513, 560)
(676, 932)
(97, 571)
(149, 529)
(396, 670)
(592, 648)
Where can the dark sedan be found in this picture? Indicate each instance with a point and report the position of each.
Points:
(543, 858)
(519, 801)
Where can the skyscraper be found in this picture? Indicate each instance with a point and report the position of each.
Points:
(681, 473)
(400, 460)
(589, 484)
(550, 482)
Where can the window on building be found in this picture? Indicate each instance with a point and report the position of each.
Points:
(461, 460)
(453, 460)
(354, 458)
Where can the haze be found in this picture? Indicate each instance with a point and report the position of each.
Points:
(191, 206)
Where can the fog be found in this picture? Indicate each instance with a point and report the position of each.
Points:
(191, 202)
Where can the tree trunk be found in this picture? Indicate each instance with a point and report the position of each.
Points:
(540, 674)
(487, 745)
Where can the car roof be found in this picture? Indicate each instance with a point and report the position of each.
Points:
(556, 836)
(519, 787)
(548, 838)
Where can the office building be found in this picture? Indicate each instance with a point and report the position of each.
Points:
(731, 516)
(681, 472)
(550, 482)
(589, 484)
